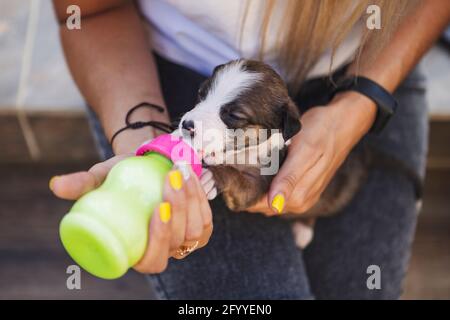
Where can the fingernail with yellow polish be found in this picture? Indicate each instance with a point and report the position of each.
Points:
(164, 212)
(50, 183)
(175, 179)
(278, 203)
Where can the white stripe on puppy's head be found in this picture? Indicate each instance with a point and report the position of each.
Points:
(227, 82)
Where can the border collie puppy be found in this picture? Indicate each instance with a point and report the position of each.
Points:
(241, 126)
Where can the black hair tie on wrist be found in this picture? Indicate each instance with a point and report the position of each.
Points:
(140, 124)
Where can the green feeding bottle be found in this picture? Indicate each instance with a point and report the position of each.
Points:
(106, 230)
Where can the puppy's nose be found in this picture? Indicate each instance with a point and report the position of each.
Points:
(189, 126)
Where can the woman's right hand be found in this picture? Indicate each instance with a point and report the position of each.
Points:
(183, 221)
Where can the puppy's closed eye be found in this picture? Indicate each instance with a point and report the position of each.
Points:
(233, 118)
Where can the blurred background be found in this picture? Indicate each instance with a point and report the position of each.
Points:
(44, 132)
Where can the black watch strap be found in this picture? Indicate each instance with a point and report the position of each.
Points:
(386, 103)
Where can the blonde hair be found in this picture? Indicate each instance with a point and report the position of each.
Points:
(311, 27)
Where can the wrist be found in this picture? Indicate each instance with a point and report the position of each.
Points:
(140, 125)
(129, 140)
(353, 115)
(354, 112)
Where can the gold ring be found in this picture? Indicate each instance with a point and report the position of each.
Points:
(185, 250)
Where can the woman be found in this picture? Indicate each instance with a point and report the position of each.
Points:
(250, 255)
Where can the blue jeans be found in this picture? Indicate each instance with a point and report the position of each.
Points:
(251, 256)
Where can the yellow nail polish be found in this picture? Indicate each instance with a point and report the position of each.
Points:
(278, 203)
(164, 211)
(175, 179)
(50, 183)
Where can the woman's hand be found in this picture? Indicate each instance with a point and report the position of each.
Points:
(181, 223)
(328, 134)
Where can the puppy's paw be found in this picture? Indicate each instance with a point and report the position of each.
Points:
(208, 184)
(303, 234)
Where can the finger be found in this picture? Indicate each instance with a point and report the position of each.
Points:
(309, 203)
(174, 193)
(308, 187)
(157, 253)
(294, 168)
(206, 176)
(261, 207)
(183, 251)
(205, 209)
(211, 195)
(321, 183)
(197, 244)
(101, 170)
(207, 232)
(74, 185)
(329, 174)
(194, 227)
(207, 186)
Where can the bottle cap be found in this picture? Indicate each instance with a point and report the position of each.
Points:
(175, 149)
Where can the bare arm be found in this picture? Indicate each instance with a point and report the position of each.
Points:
(412, 39)
(328, 134)
(111, 63)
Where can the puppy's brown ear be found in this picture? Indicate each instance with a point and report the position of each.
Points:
(217, 68)
(291, 124)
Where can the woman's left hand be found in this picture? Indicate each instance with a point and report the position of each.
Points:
(328, 134)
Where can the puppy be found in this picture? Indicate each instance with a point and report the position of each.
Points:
(241, 126)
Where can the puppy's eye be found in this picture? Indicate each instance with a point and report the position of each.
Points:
(235, 116)
(235, 119)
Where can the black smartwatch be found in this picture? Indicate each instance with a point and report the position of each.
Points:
(386, 103)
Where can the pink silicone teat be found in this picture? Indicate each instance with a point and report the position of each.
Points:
(173, 148)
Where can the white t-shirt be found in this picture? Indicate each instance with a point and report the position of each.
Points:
(202, 34)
